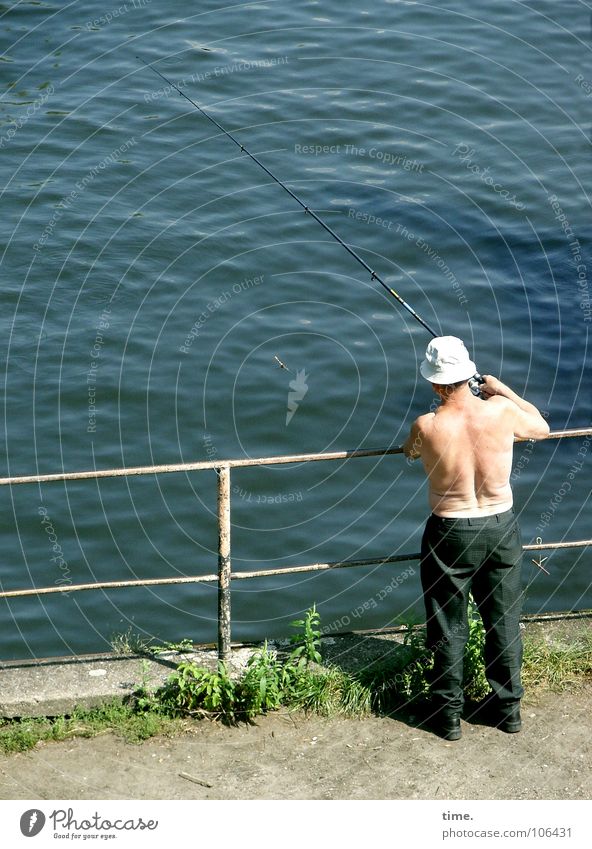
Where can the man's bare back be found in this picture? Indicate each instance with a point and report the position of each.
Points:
(466, 447)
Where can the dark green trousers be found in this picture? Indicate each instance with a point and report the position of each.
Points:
(483, 556)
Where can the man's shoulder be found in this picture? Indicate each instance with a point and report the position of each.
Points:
(420, 430)
(500, 400)
(502, 406)
(424, 420)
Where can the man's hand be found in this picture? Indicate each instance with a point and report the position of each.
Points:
(493, 386)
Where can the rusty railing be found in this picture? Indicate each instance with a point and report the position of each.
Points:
(224, 575)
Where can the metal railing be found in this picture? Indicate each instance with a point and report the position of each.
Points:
(225, 575)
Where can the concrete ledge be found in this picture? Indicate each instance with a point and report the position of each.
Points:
(57, 685)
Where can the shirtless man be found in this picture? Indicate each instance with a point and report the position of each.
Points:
(471, 542)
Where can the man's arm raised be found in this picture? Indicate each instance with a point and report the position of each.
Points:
(528, 422)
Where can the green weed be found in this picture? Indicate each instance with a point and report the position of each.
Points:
(308, 642)
(475, 682)
(267, 684)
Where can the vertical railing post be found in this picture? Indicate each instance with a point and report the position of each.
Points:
(223, 473)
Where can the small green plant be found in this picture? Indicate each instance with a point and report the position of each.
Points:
(263, 685)
(145, 697)
(196, 691)
(475, 682)
(23, 735)
(129, 643)
(307, 644)
(185, 645)
(414, 676)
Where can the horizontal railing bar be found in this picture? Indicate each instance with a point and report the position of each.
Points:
(200, 465)
(261, 573)
(238, 463)
(320, 567)
(397, 558)
(109, 585)
(544, 546)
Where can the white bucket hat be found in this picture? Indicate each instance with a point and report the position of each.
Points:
(447, 361)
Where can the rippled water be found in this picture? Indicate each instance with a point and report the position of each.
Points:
(151, 272)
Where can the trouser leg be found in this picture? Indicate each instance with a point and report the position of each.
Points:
(446, 591)
(498, 594)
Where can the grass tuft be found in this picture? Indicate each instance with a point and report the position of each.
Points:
(331, 692)
(560, 665)
(130, 642)
(20, 735)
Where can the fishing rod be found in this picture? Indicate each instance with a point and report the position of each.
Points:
(476, 380)
(307, 209)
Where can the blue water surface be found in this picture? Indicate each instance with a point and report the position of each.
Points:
(151, 272)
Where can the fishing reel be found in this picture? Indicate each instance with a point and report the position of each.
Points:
(475, 384)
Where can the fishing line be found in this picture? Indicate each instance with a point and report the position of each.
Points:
(307, 209)
(474, 381)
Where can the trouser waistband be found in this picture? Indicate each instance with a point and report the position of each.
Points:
(474, 521)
